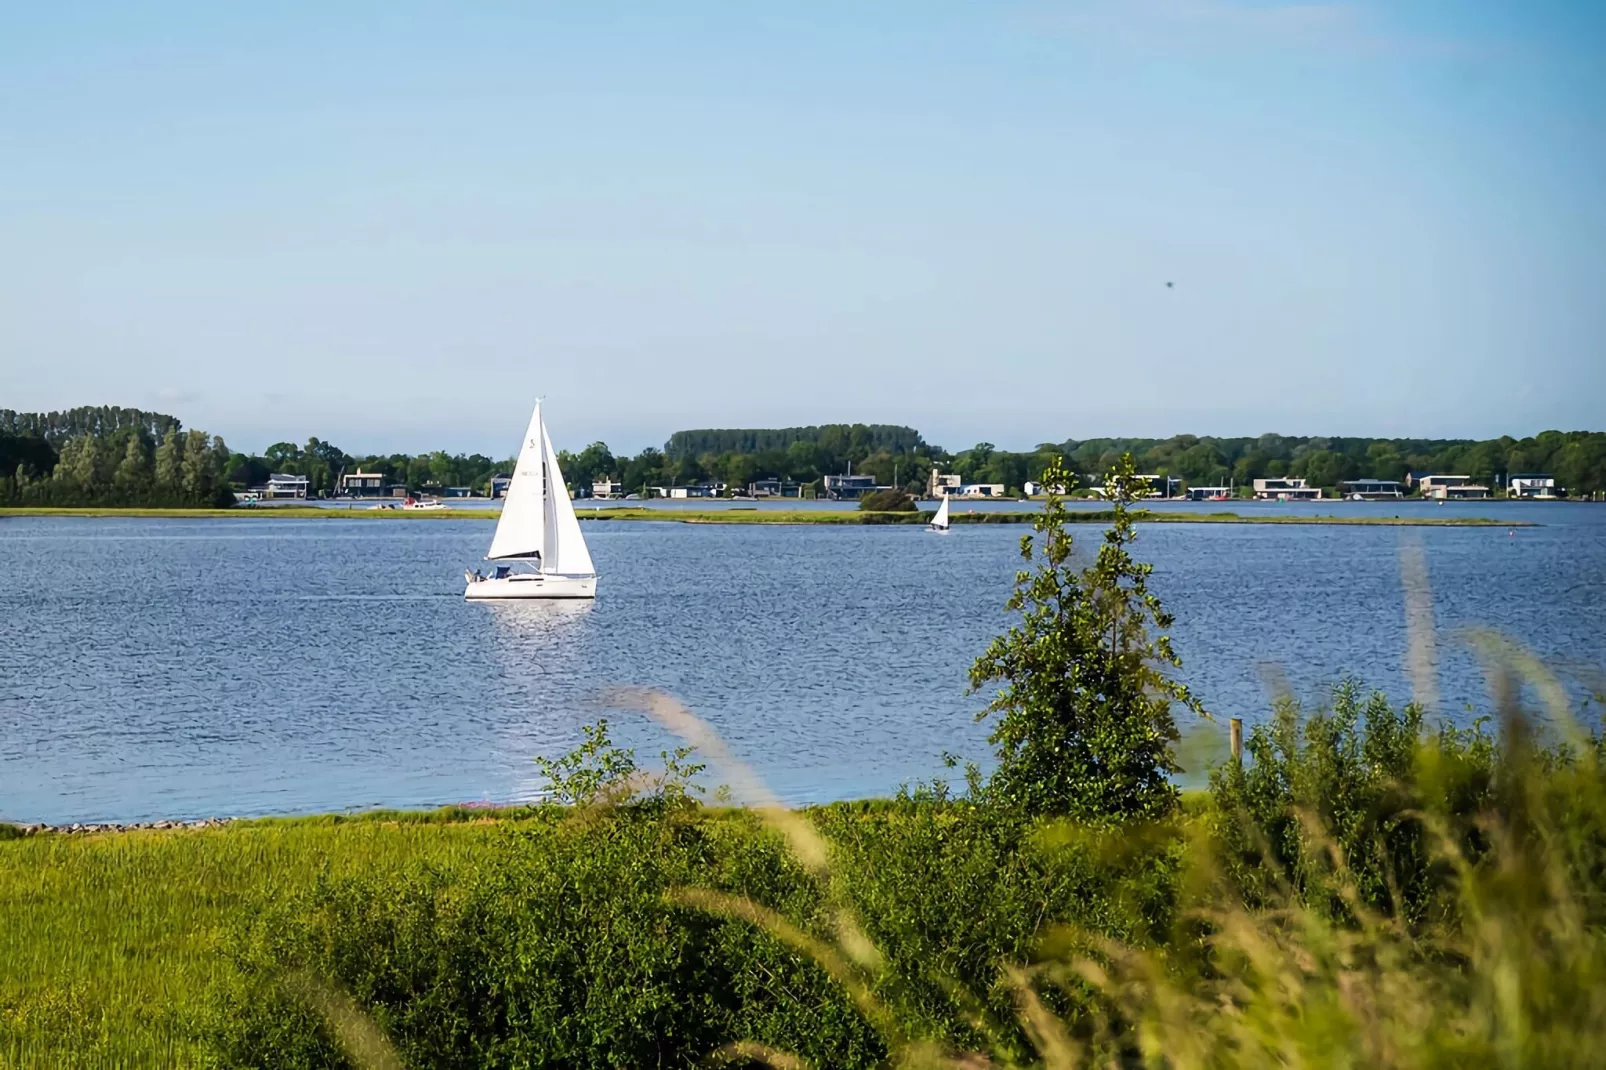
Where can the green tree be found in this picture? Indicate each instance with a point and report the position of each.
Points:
(169, 455)
(282, 456)
(1084, 703)
(134, 470)
(195, 467)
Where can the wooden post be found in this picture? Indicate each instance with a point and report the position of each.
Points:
(1235, 733)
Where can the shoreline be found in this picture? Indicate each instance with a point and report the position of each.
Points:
(755, 515)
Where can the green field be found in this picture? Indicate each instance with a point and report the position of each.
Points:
(755, 515)
(111, 943)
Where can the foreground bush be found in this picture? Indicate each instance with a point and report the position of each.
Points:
(1363, 893)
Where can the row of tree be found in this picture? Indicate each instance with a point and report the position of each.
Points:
(895, 456)
(128, 466)
(1577, 459)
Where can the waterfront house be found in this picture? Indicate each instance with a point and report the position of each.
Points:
(499, 484)
(939, 485)
(360, 484)
(981, 490)
(1208, 494)
(698, 490)
(1372, 489)
(607, 488)
(281, 485)
(1034, 489)
(1285, 488)
(458, 492)
(1450, 487)
(775, 487)
(849, 487)
(1532, 485)
(1157, 486)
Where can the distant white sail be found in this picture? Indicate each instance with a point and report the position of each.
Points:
(941, 519)
(568, 555)
(521, 530)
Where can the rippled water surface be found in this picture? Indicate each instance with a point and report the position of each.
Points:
(175, 668)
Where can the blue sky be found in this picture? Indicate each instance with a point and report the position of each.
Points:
(392, 224)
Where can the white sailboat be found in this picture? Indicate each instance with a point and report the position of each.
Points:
(940, 521)
(538, 547)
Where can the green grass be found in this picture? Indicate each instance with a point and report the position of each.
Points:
(110, 943)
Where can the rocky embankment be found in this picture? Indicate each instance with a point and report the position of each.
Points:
(78, 827)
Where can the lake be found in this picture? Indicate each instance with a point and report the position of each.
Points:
(188, 668)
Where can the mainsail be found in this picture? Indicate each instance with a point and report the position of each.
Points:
(941, 519)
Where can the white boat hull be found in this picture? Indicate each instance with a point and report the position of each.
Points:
(533, 585)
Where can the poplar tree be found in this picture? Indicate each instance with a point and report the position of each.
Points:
(134, 471)
(168, 455)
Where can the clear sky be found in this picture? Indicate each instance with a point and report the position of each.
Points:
(392, 224)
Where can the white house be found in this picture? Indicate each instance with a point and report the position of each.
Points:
(607, 488)
(1285, 488)
(286, 486)
(1450, 487)
(1531, 485)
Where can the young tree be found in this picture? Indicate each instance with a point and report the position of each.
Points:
(1084, 707)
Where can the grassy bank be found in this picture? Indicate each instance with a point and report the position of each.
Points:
(1361, 892)
(755, 515)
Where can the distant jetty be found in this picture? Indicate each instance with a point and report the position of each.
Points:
(755, 515)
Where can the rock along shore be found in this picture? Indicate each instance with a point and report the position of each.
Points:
(78, 827)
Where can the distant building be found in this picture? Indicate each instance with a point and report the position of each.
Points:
(1208, 494)
(1163, 486)
(699, 490)
(360, 484)
(775, 488)
(980, 490)
(849, 487)
(281, 485)
(1532, 485)
(1372, 489)
(499, 485)
(458, 492)
(939, 485)
(607, 488)
(1285, 488)
(1034, 489)
(1158, 486)
(1450, 487)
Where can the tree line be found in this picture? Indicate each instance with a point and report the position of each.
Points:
(106, 456)
(30, 444)
(1577, 459)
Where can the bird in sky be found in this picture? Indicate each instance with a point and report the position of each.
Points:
(1169, 285)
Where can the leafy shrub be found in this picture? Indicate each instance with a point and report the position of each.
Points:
(891, 500)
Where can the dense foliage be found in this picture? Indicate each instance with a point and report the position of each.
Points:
(122, 465)
(96, 421)
(832, 438)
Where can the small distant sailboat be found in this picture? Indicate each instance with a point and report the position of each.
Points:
(940, 521)
(538, 547)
